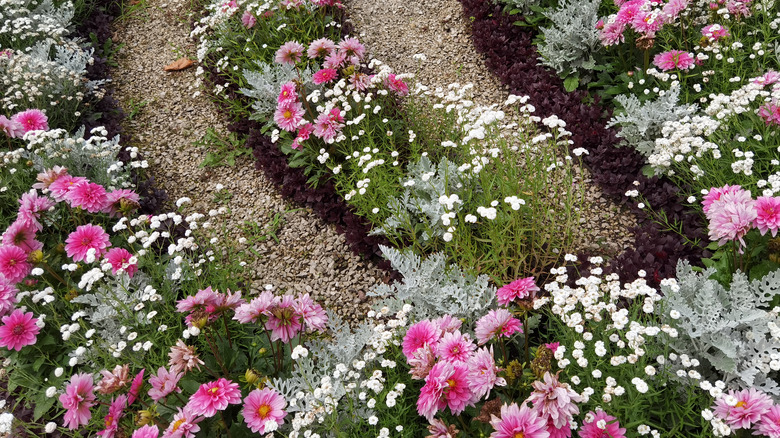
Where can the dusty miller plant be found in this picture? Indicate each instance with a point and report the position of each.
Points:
(727, 328)
(265, 85)
(570, 43)
(641, 123)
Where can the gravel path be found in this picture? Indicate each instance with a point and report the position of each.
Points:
(395, 30)
(310, 255)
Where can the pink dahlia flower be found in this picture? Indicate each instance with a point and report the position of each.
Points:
(448, 323)
(714, 32)
(446, 385)
(674, 59)
(769, 424)
(517, 290)
(77, 400)
(283, 321)
(421, 362)
(31, 206)
(32, 120)
(11, 127)
(183, 358)
(439, 429)
(19, 330)
(397, 85)
(672, 9)
(252, 311)
(88, 196)
(147, 431)
(334, 60)
(418, 335)
(455, 347)
(483, 373)
(206, 299)
(768, 78)
(248, 20)
(289, 115)
(22, 234)
(164, 383)
(184, 425)
(770, 112)
(647, 23)
(558, 432)
(352, 49)
(328, 125)
(111, 420)
(591, 429)
(113, 380)
(324, 76)
(495, 324)
(120, 259)
(214, 396)
(516, 422)
(313, 314)
(612, 34)
(321, 48)
(628, 11)
(730, 221)
(262, 406)
(290, 53)
(287, 94)
(13, 263)
(48, 176)
(61, 186)
(8, 293)
(715, 194)
(304, 131)
(768, 214)
(86, 237)
(555, 400)
(122, 201)
(751, 405)
(361, 81)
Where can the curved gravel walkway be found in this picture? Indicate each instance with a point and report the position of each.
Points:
(310, 255)
(395, 30)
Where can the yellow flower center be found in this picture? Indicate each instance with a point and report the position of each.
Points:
(214, 390)
(263, 411)
(178, 423)
(519, 435)
(287, 114)
(109, 421)
(740, 404)
(451, 382)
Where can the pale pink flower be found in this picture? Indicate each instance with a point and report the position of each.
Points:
(739, 8)
(769, 424)
(113, 380)
(328, 124)
(250, 312)
(184, 425)
(289, 115)
(352, 49)
(517, 290)
(439, 429)
(183, 358)
(360, 81)
(421, 362)
(321, 48)
(261, 406)
(206, 299)
(290, 53)
(673, 8)
(324, 76)
(120, 202)
(768, 78)
(483, 373)
(455, 347)
(8, 293)
(495, 324)
(674, 59)
(111, 420)
(61, 186)
(283, 321)
(334, 60)
(751, 405)
(420, 334)
(32, 120)
(120, 259)
(48, 176)
(31, 206)
(287, 94)
(448, 323)
(716, 192)
(148, 431)
(77, 400)
(445, 386)
(591, 429)
(770, 112)
(214, 396)
(13, 263)
(522, 422)
(767, 214)
(11, 127)
(313, 314)
(22, 234)
(19, 330)
(612, 34)
(248, 20)
(86, 237)
(554, 400)
(714, 32)
(164, 383)
(730, 221)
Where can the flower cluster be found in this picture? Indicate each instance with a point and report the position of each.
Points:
(732, 212)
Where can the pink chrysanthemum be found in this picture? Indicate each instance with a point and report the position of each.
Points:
(283, 321)
(290, 53)
(19, 330)
(147, 431)
(334, 60)
(32, 120)
(13, 263)
(111, 420)
(86, 237)
(591, 429)
(767, 214)
(135, 387)
(751, 405)
(674, 59)
(558, 432)
(184, 425)
(248, 20)
(183, 358)
(497, 323)
(214, 396)
(552, 346)
(448, 323)
(769, 424)
(647, 23)
(120, 259)
(446, 385)
(517, 290)
(31, 206)
(421, 362)
(397, 85)
(22, 235)
(113, 380)
(328, 125)
(321, 48)
(164, 383)
(483, 373)
(250, 312)
(289, 115)
(262, 406)
(768, 78)
(324, 76)
(455, 347)
(11, 128)
(122, 201)
(770, 112)
(714, 32)
(88, 196)
(730, 221)
(48, 176)
(313, 314)
(304, 132)
(61, 186)
(287, 94)
(352, 49)
(612, 34)
(715, 194)
(439, 429)
(520, 422)
(420, 334)
(672, 9)
(205, 299)
(628, 11)
(77, 400)
(554, 400)
(7, 295)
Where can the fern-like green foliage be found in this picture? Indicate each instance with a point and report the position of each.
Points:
(266, 83)
(641, 123)
(523, 5)
(434, 288)
(730, 329)
(570, 43)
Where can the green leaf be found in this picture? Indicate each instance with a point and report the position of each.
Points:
(42, 405)
(648, 171)
(571, 83)
(38, 362)
(189, 385)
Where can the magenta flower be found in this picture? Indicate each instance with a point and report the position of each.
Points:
(446, 385)
(324, 76)
(250, 312)
(32, 120)
(770, 112)
(164, 383)
(248, 20)
(214, 396)
(22, 234)
(287, 94)
(147, 431)
(674, 59)
(751, 405)
(88, 196)
(19, 330)
(283, 321)
(321, 48)
(558, 432)
(554, 400)
(13, 263)
(262, 406)
(714, 32)
(628, 11)
(61, 186)
(111, 420)
(120, 202)
(11, 128)
(184, 425)
(206, 299)
(328, 125)
(304, 131)
(516, 422)
(135, 387)
(86, 237)
(591, 429)
(769, 424)
(455, 347)
(290, 53)
(517, 290)
(334, 60)
(495, 324)
(647, 23)
(313, 314)
(716, 192)
(31, 206)
(289, 115)
(768, 214)
(8, 293)
(483, 373)
(77, 399)
(397, 85)
(420, 334)
(120, 259)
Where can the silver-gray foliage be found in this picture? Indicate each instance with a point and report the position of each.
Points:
(641, 123)
(570, 43)
(728, 328)
(434, 288)
(265, 83)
